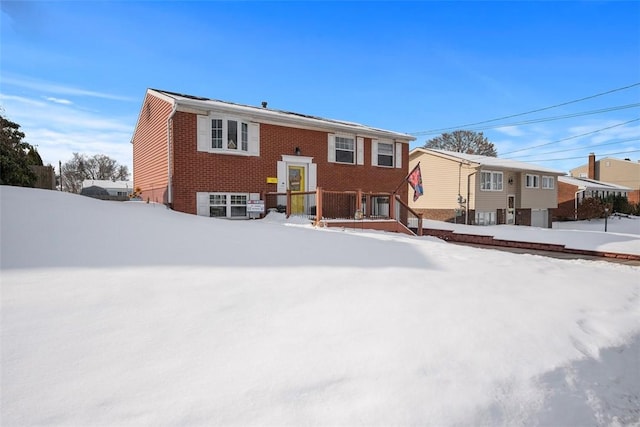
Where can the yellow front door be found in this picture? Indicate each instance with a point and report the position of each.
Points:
(296, 184)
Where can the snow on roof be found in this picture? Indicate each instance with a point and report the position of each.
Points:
(591, 183)
(264, 112)
(107, 183)
(491, 161)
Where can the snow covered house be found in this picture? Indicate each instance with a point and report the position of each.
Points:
(482, 190)
(116, 189)
(572, 191)
(215, 158)
(625, 173)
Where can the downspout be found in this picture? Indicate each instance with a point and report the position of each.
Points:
(468, 196)
(575, 200)
(169, 176)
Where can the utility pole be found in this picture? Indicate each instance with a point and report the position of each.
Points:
(60, 168)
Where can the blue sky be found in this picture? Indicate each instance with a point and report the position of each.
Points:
(73, 74)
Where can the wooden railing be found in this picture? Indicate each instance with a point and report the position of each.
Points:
(344, 205)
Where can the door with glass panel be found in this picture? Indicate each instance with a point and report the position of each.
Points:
(511, 209)
(296, 185)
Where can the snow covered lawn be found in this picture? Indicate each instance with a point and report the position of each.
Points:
(131, 314)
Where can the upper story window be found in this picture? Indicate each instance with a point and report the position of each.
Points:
(491, 181)
(384, 153)
(342, 149)
(532, 181)
(547, 182)
(345, 150)
(228, 135)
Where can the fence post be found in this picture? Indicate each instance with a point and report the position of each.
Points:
(392, 206)
(288, 207)
(359, 201)
(420, 215)
(318, 205)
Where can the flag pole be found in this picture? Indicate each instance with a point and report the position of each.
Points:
(404, 181)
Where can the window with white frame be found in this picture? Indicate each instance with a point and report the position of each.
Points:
(385, 154)
(532, 181)
(491, 181)
(228, 135)
(345, 149)
(547, 182)
(485, 218)
(228, 205)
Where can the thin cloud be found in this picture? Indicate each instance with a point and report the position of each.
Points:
(58, 100)
(61, 89)
(22, 100)
(510, 131)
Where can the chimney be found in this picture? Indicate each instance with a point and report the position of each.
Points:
(591, 172)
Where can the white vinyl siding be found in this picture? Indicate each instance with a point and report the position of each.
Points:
(218, 134)
(399, 155)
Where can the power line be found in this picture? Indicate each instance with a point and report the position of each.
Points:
(432, 131)
(570, 137)
(566, 116)
(581, 157)
(573, 149)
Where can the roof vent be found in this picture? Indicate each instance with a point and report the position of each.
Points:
(264, 104)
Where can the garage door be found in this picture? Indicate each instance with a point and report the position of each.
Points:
(539, 218)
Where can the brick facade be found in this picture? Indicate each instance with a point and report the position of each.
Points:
(566, 201)
(196, 171)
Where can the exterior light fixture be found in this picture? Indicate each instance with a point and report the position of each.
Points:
(298, 151)
(510, 180)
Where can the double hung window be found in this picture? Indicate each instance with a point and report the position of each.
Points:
(491, 181)
(385, 154)
(532, 181)
(345, 150)
(547, 182)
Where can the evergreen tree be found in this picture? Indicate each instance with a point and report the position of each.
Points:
(14, 156)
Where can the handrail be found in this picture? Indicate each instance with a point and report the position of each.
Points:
(418, 215)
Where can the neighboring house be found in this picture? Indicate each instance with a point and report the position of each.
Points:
(572, 191)
(211, 158)
(99, 188)
(481, 190)
(614, 171)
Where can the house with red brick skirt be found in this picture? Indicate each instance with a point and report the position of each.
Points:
(572, 191)
(622, 172)
(481, 190)
(213, 158)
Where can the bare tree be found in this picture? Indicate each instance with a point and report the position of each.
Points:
(463, 141)
(97, 167)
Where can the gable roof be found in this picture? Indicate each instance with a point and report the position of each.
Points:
(488, 161)
(591, 184)
(263, 114)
